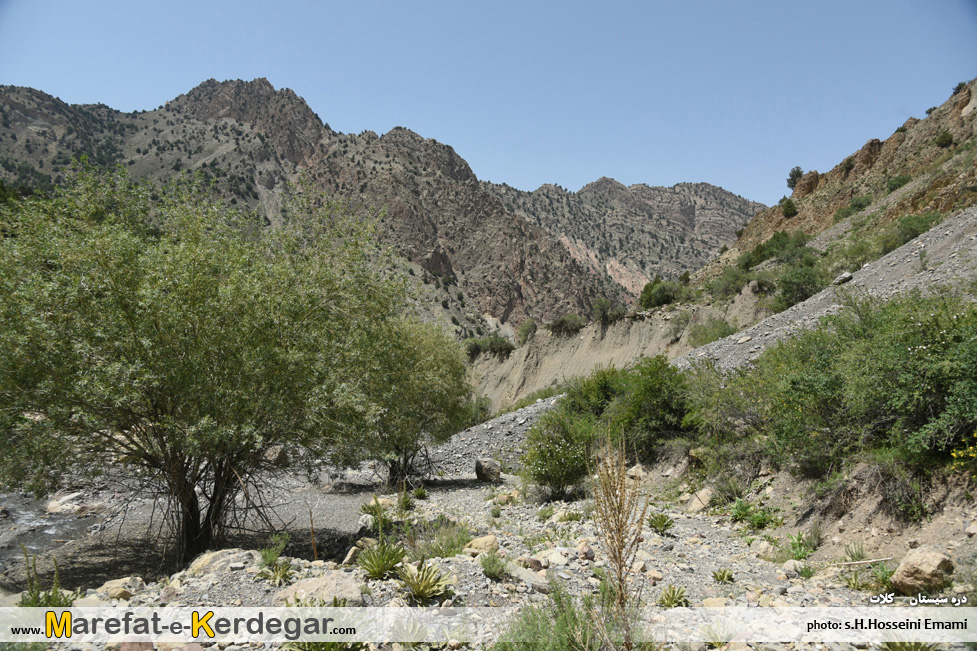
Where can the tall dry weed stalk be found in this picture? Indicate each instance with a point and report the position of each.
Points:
(619, 511)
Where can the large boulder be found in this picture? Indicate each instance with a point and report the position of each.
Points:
(530, 578)
(217, 561)
(488, 470)
(335, 583)
(482, 545)
(700, 501)
(922, 569)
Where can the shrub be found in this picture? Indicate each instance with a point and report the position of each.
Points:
(649, 405)
(848, 165)
(560, 624)
(898, 376)
(605, 312)
(798, 284)
(896, 182)
(909, 227)
(494, 344)
(661, 292)
(710, 330)
(781, 245)
(728, 283)
(439, 539)
(944, 139)
(959, 87)
(567, 325)
(677, 325)
(857, 204)
(788, 208)
(526, 330)
(558, 449)
(493, 565)
(723, 576)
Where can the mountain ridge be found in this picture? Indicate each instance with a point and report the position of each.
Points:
(253, 141)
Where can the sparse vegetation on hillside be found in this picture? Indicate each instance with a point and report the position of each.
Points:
(493, 344)
(605, 312)
(661, 292)
(569, 324)
(892, 384)
(709, 330)
(526, 330)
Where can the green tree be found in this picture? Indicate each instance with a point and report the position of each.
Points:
(795, 175)
(788, 207)
(155, 328)
(424, 398)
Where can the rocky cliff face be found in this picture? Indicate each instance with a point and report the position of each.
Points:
(924, 165)
(506, 255)
(634, 233)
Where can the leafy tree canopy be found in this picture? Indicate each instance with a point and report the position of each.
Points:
(154, 327)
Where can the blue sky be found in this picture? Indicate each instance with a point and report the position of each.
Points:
(732, 93)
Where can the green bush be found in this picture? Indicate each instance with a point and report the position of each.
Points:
(896, 182)
(494, 344)
(556, 625)
(605, 312)
(493, 565)
(728, 284)
(677, 325)
(788, 207)
(526, 330)
(944, 139)
(710, 330)
(899, 376)
(662, 292)
(650, 406)
(910, 227)
(567, 325)
(848, 165)
(558, 450)
(857, 204)
(798, 284)
(782, 246)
